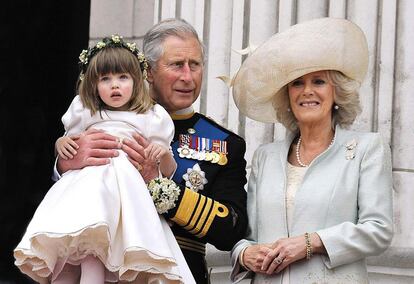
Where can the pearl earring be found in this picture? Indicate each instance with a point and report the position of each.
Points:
(336, 107)
(288, 109)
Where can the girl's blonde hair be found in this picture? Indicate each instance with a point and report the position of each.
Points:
(346, 97)
(113, 60)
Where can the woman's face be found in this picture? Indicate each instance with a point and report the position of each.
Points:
(311, 98)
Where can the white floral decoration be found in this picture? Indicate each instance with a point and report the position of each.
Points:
(195, 178)
(350, 147)
(116, 38)
(100, 45)
(132, 47)
(113, 41)
(141, 57)
(164, 193)
(83, 57)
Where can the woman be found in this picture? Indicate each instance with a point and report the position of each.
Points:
(319, 202)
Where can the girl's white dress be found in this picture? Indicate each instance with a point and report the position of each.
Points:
(105, 211)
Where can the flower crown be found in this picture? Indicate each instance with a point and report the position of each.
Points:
(113, 41)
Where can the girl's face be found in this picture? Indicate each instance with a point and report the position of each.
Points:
(311, 98)
(115, 90)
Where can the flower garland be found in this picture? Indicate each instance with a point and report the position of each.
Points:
(164, 193)
(113, 41)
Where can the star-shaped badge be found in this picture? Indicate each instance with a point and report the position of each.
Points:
(195, 178)
(185, 152)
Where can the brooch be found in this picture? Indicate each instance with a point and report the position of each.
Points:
(350, 147)
(195, 178)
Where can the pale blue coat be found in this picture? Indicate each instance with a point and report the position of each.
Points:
(347, 201)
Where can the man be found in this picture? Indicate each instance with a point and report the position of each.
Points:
(211, 172)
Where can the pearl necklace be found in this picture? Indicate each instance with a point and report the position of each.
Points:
(298, 147)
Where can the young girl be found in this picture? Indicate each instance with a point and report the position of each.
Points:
(99, 224)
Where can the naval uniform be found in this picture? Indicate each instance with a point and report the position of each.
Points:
(212, 204)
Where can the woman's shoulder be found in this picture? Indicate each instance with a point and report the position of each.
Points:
(363, 136)
(364, 139)
(272, 147)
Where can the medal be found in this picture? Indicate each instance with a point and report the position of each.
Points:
(216, 157)
(195, 155)
(202, 148)
(201, 156)
(223, 159)
(208, 157)
(185, 152)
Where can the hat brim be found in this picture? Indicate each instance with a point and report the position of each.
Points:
(321, 44)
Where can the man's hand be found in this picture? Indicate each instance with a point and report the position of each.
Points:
(135, 150)
(95, 149)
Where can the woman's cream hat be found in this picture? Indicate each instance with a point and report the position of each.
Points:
(321, 44)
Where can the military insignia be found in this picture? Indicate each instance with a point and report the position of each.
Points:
(208, 157)
(216, 157)
(202, 148)
(185, 152)
(195, 178)
(191, 131)
(195, 155)
(223, 160)
(201, 156)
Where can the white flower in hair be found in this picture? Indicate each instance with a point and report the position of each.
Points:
(116, 38)
(132, 47)
(83, 57)
(100, 45)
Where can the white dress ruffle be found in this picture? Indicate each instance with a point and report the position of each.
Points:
(105, 211)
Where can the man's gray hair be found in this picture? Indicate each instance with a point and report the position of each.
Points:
(155, 37)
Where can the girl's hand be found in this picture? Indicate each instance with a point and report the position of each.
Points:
(254, 255)
(135, 149)
(156, 152)
(66, 147)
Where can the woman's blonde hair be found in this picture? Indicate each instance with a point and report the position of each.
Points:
(113, 60)
(346, 97)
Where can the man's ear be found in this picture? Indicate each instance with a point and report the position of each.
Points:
(150, 78)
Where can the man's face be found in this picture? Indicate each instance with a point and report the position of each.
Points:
(175, 83)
